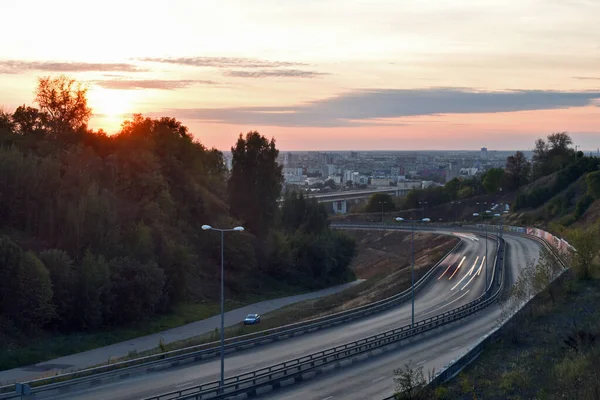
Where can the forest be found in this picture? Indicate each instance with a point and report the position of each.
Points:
(101, 230)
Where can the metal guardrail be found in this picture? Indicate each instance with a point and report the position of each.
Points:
(211, 349)
(273, 375)
(473, 353)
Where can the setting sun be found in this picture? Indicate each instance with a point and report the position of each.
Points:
(111, 107)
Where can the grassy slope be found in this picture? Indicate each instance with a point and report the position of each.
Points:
(532, 359)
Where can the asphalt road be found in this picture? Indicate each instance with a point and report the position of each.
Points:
(445, 291)
(102, 354)
(373, 378)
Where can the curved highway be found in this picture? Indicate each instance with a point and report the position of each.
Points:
(373, 378)
(457, 281)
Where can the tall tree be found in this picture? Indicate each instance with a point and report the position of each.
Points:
(593, 182)
(492, 180)
(255, 182)
(587, 245)
(379, 202)
(552, 155)
(64, 102)
(517, 171)
(29, 121)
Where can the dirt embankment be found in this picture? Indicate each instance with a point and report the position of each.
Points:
(384, 260)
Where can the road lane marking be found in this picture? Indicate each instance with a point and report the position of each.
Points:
(457, 268)
(422, 362)
(248, 367)
(474, 275)
(379, 379)
(456, 348)
(327, 398)
(184, 384)
(447, 304)
(467, 274)
(481, 266)
(449, 265)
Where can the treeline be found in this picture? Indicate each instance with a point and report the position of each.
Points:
(100, 230)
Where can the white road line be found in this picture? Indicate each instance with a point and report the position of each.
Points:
(184, 384)
(456, 348)
(457, 268)
(327, 398)
(474, 275)
(379, 379)
(422, 362)
(467, 274)
(447, 304)
(248, 367)
(481, 266)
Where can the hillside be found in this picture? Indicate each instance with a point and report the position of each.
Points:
(99, 232)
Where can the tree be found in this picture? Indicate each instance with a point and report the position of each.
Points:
(517, 171)
(64, 103)
(409, 382)
(552, 155)
(452, 187)
(331, 184)
(93, 292)
(29, 121)
(349, 184)
(593, 182)
(136, 288)
(34, 304)
(62, 276)
(381, 202)
(255, 183)
(6, 122)
(10, 262)
(493, 179)
(587, 247)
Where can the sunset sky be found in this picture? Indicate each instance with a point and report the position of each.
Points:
(321, 75)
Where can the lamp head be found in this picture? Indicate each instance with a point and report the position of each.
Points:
(426, 220)
(399, 219)
(239, 229)
(206, 227)
(476, 214)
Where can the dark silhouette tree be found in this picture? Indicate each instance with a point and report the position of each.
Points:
(255, 183)
(517, 171)
(29, 121)
(380, 202)
(64, 102)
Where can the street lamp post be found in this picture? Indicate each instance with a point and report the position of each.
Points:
(236, 229)
(422, 209)
(412, 272)
(486, 249)
(455, 210)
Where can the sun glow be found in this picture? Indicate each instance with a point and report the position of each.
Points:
(111, 107)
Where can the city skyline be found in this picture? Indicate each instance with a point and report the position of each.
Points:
(323, 75)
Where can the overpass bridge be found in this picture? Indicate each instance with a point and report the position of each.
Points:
(341, 200)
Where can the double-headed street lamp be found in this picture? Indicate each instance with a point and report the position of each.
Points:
(412, 245)
(236, 229)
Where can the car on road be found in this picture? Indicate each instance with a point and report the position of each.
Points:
(252, 319)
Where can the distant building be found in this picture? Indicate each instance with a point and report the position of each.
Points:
(348, 175)
(293, 171)
(327, 170)
(381, 182)
(452, 172)
(484, 154)
(409, 185)
(335, 178)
